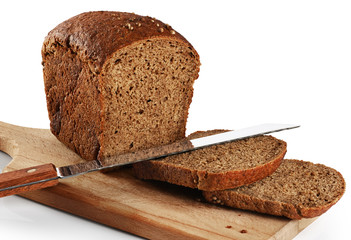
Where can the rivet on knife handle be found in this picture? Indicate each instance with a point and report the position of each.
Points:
(28, 179)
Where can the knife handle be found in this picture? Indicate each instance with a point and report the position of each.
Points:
(28, 179)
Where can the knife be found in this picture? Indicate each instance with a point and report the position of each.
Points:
(48, 175)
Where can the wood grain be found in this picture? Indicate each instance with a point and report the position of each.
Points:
(146, 208)
(28, 175)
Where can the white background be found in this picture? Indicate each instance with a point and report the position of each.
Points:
(262, 61)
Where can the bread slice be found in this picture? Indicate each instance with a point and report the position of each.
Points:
(117, 82)
(217, 167)
(297, 189)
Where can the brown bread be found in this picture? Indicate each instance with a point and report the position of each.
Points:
(117, 82)
(297, 189)
(218, 167)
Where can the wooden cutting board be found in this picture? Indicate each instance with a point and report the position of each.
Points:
(146, 208)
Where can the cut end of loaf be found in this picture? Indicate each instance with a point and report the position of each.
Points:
(147, 90)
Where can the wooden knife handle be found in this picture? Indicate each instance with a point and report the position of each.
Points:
(30, 176)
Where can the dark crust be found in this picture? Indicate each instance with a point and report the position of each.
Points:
(202, 180)
(97, 35)
(246, 202)
(72, 96)
(92, 37)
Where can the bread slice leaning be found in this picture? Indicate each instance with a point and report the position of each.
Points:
(218, 167)
(298, 189)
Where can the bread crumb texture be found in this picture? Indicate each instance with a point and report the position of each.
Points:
(147, 89)
(218, 167)
(238, 155)
(296, 189)
(117, 82)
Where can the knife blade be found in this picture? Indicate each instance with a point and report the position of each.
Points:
(48, 175)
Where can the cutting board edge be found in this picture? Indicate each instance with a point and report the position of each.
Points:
(142, 226)
(20, 139)
(293, 228)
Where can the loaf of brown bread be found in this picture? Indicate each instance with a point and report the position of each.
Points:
(117, 82)
(217, 167)
(297, 189)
